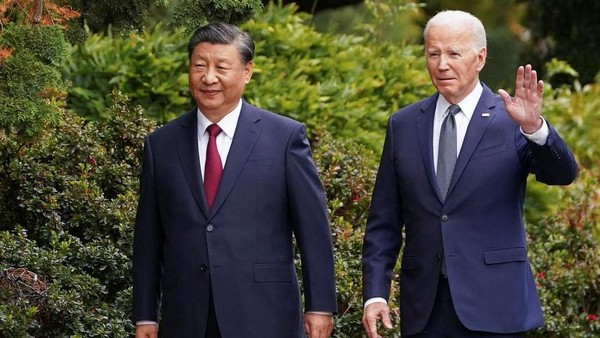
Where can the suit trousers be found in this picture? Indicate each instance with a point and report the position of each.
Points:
(444, 322)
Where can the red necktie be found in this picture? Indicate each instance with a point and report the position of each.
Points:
(212, 167)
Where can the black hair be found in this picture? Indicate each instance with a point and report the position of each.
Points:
(226, 34)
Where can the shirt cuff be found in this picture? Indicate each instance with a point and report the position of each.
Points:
(375, 300)
(539, 137)
(145, 322)
(320, 313)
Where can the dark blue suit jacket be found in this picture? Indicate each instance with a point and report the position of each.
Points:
(269, 192)
(479, 228)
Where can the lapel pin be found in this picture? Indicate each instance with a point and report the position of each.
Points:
(485, 114)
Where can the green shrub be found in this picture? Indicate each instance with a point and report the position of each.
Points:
(150, 70)
(191, 14)
(30, 81)
(67, 209)
(565, 255)
(347, 84)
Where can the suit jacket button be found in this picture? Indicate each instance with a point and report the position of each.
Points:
(203, 267)
(445, 218)
(210, 227)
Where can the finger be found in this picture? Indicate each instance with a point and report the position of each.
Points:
(534, 79)
(519, 83)
(540, 87)
(386, 320)
(370, 325)
(527, 77)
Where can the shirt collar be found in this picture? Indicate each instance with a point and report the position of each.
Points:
(227, 124)
(467, 105)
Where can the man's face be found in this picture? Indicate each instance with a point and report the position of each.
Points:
(452, 62)
(217, 78)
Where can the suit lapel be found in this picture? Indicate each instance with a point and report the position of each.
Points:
(482, 116)
(425, 139)
(246, 133)
(187, 146)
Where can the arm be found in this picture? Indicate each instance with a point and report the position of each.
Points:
(311, 228)
(551, 161)
(382, 242)
(147, 246)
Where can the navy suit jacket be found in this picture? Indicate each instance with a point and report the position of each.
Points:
(478, 230)
(242, 247)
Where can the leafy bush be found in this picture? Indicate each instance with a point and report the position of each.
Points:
(191, 14)
(565, 254)
(346, 84)
(30, 82)
(150, 70)
(67, 205)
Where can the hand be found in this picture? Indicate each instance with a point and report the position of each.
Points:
(318, 325)
(526, 107)
(373, 313)
(146, 331)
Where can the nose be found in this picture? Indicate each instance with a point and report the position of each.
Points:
(443, 62)
(210, 76)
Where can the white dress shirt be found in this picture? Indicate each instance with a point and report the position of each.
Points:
(227, 124)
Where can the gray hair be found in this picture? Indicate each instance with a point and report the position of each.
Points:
(226, 34)
(452, 17)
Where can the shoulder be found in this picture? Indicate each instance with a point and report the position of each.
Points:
(186, 120)
(269, 119)
(415, 110)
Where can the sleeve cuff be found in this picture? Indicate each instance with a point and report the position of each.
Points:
(375, 300)
(320, 313)
(540, 137)
(145, 322)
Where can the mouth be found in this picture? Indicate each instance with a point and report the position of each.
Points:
(210, 92)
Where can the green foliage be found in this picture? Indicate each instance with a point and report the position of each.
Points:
(122, 16)
(348, 174)
(575, 109)
(339, 82)
(565, 254)
(151, 70)
(30, 81)
(67, 206)
(191, 14)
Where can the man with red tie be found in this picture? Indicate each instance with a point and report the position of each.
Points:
(225, 188)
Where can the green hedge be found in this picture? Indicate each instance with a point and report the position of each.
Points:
(346, 84)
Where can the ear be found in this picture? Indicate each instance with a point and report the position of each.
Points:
(481, 57)
(248, 71)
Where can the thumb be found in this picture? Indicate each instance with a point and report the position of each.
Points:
(504, 95)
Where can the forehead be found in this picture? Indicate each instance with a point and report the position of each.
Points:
(216, 52)
(446, 36)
